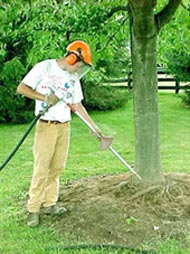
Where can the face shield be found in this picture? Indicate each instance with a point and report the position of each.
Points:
(83, 70)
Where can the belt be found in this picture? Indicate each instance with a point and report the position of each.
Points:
(50, 122)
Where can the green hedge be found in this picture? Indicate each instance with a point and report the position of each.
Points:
(102, 97)
(186, 97)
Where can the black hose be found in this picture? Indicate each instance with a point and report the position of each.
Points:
(103, 246)
(41, 113)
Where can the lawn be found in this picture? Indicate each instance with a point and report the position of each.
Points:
(84, 160)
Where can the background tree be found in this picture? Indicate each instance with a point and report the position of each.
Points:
(35, 30)
(39, 29)
(145, 25)
(174, 46)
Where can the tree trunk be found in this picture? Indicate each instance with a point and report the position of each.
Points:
(146, 112)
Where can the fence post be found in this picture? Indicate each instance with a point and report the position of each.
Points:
(129, 80)
(177, 86)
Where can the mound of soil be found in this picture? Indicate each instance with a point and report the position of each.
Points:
(111, 210)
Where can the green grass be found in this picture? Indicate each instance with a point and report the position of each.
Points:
(84, 160)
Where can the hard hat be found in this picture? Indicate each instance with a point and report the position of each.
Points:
(78, 51)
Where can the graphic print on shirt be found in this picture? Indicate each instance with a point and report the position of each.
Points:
(63, 88)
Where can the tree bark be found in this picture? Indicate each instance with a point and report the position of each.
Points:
(143, 49)
(144, 27)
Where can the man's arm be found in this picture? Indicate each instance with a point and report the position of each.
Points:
(81, 109)
(25, 90)
(29, 92)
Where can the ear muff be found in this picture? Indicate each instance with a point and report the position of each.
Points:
(71, 58)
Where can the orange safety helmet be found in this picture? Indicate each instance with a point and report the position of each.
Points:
(78, 51)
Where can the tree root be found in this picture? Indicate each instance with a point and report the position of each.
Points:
(143, 192)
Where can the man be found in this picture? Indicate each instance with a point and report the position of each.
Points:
(51, 142)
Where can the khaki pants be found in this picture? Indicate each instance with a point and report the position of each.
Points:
(51, 146)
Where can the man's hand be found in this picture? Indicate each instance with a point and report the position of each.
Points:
(51, 99)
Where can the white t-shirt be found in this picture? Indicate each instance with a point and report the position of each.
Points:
(46, 74)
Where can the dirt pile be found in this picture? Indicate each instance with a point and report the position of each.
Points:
(111, 210)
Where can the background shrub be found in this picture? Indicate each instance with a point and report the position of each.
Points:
(186, 97)
(101, 97)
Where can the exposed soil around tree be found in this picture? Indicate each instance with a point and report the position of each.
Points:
(111, 210)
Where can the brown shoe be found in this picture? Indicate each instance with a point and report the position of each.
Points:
(33, 219)
(55, 210)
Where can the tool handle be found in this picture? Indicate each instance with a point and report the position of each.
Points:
(100, 136)
(84, 120)
(124, 162)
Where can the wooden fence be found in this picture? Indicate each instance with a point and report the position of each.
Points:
(165, 82)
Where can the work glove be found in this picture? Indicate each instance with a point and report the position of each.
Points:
(51, 99)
